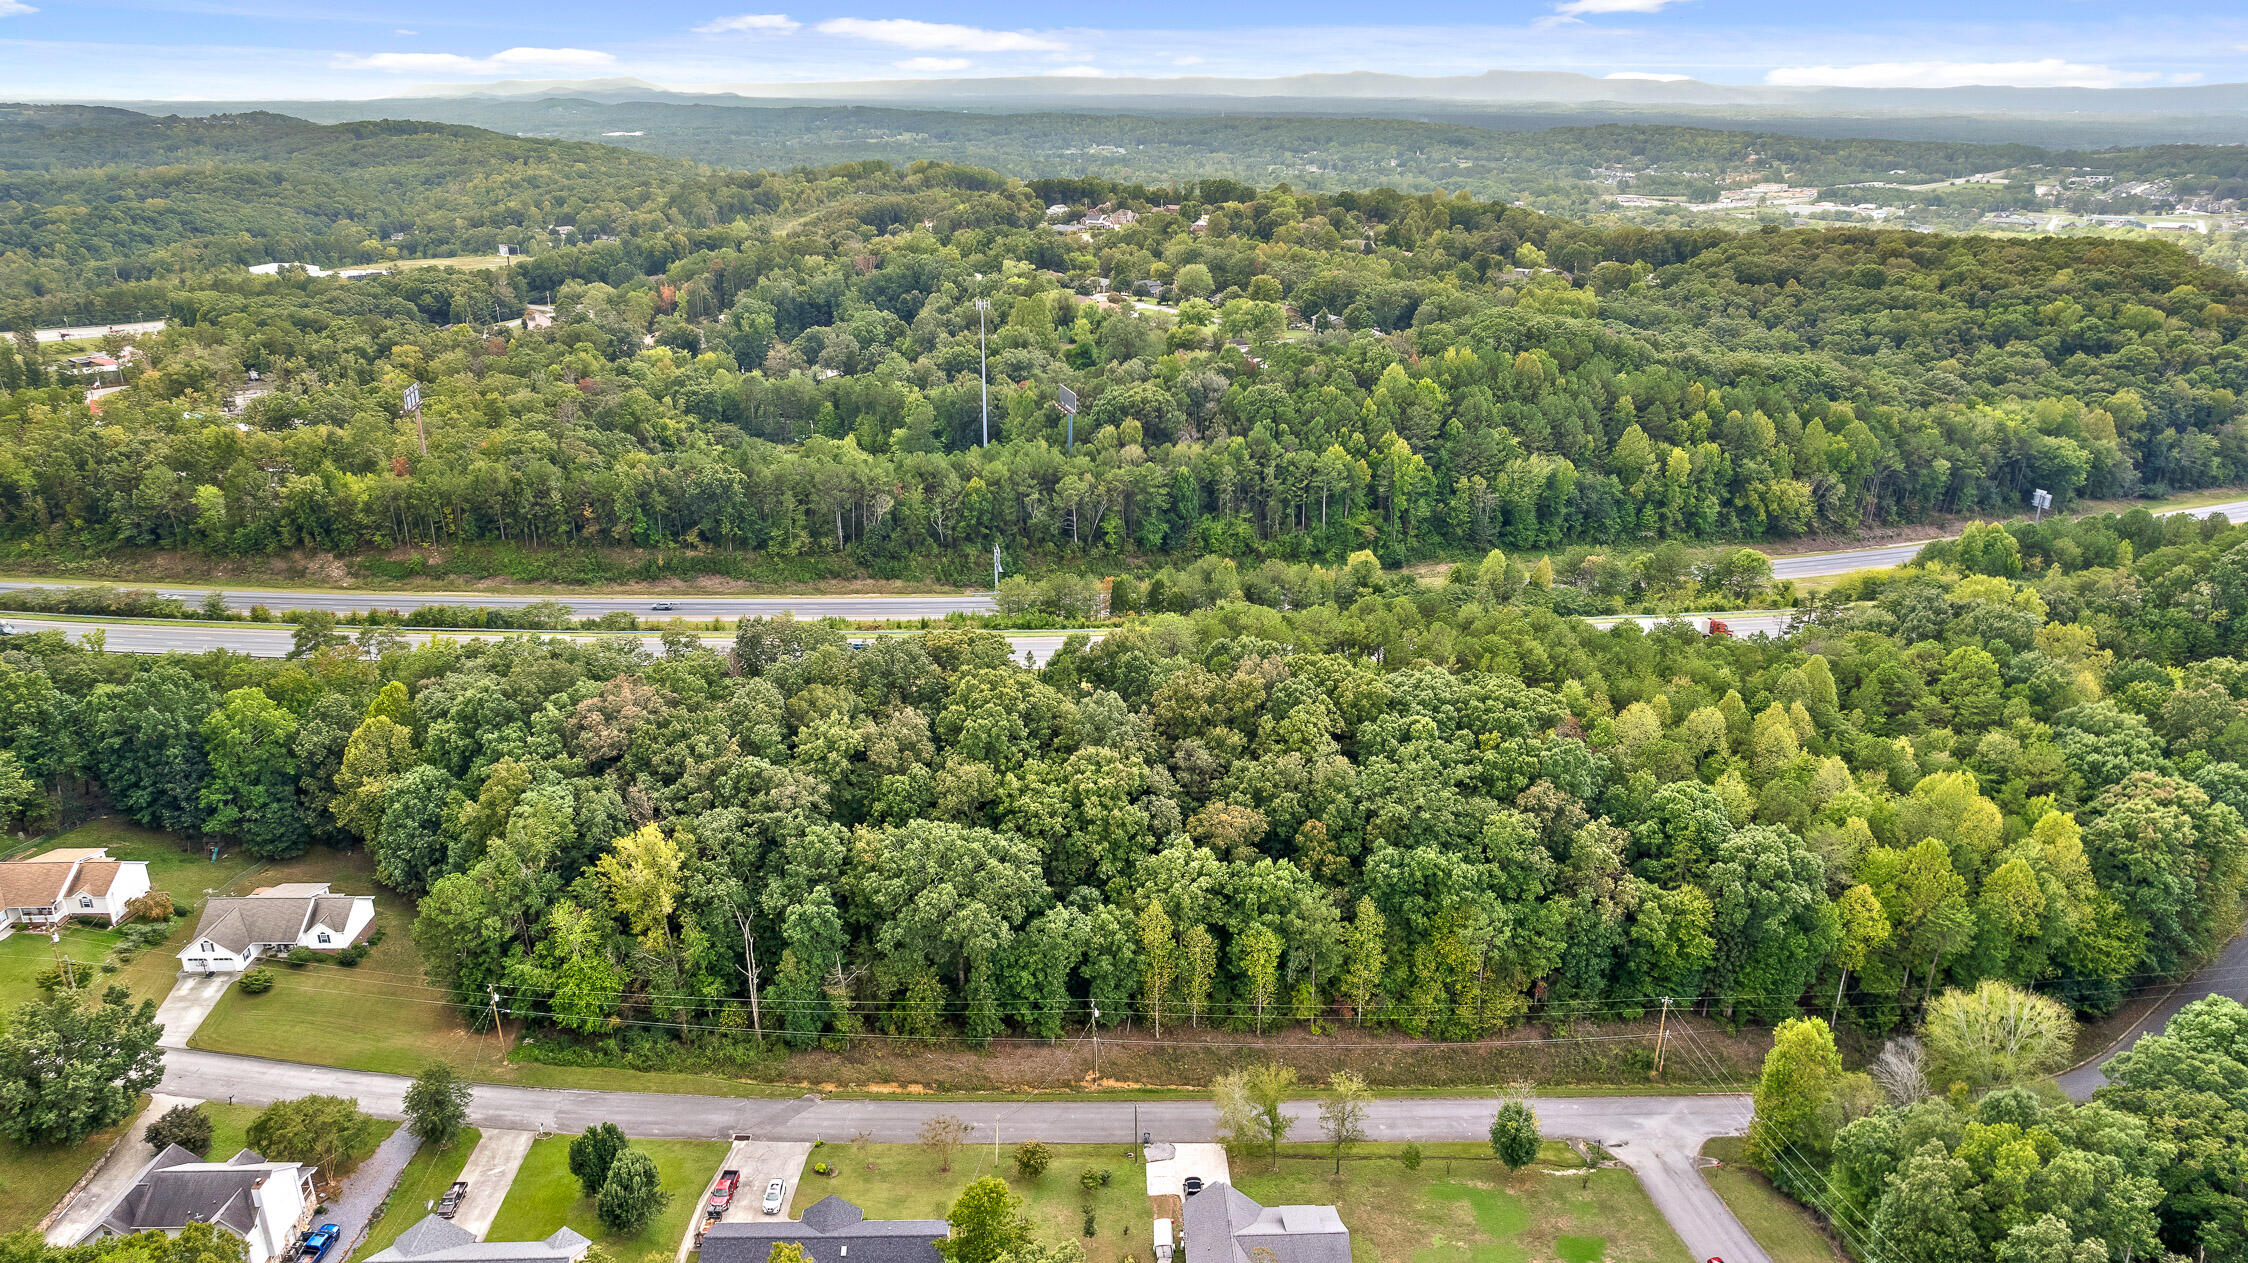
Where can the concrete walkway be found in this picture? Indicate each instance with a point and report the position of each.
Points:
(353, 1210)
(191, 1000)
(113, 1177)
(489, 1171)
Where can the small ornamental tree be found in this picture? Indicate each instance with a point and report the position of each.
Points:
(437, 1105)
(1032, 1158)
(632, 1194)
(593, 1153)
(1514, 1134)
(184, 1125)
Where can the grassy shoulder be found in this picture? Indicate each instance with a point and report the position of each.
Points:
(427, 1175)
(1788, 1232)
(909, 1182)
(1468, 1208)
(545, 1196)
(33, 1178)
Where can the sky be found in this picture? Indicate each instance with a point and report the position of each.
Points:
(329, 49)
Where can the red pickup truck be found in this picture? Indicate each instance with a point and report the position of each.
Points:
(722, 1194)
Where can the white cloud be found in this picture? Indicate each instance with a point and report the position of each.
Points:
(932, 65)
(1648, 75)
(1579, 8)
(2050, 72)
(404, 31)
(14, 8)
(455, 63)
(759, 23)
(940, 36)
(1075, 72)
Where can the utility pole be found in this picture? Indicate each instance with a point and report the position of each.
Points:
(995, 565)
(498, 1036)
(1662, 1028)
(983, 369)
(1095, 1030)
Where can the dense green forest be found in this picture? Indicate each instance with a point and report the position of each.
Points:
(787, 363)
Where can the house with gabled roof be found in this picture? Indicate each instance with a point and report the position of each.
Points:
(69, 882)
(267, 1204)
(1225, 1225)
(831, 1231)
(439, 1240)
(236, 931)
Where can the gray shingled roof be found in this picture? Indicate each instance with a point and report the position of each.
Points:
(832, 1231)
(177, 1189)
(235, 923)
(437, 1240)
(332, 911)
(1225, 1225)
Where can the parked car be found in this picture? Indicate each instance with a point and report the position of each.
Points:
(774, 1192)
(317, 1243)
(722, 1194)
(450, 1204)
(1193, 1185)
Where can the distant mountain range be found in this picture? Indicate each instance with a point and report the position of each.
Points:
(1494, 87)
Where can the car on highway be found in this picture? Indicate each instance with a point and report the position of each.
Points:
(662, 605)
(774, 1192)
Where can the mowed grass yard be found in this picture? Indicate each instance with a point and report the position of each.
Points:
(545, 1196)
(427, 1175)
(1785, 1229)
(319, 1013)
(1462, 1207)
(905, 1183)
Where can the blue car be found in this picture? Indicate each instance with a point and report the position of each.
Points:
(317, 1244)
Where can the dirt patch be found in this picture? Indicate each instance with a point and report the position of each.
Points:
(1617, 1055)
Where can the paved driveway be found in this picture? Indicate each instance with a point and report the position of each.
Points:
(760, 1162)
(1166, 1176)
(191, 1000)
(490, 1169)
(111, 1180)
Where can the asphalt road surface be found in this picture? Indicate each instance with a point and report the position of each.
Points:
(1658, 1137)
(157, 636)
(591, 606)
(2227, 975)
(1812, 565)
(79, 333)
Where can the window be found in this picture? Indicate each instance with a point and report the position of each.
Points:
(85, 901)
(323, 936)
(207, 946)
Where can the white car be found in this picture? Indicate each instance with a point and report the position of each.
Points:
(773, 1194)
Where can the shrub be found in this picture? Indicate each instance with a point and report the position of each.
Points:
(151, 907)
(1410, 1156)
(352, 955)
(632, 1195)
(256, 982)
(299, 957)
(1089, 1222)
(1032, 1158)
(1089, 1179)
(184, 1125)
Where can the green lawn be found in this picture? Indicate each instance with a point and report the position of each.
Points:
(1784, 1228)
(427, 1176)
(545, 1196)
(906, 1184)
(34, 1178)
(1460, 1209)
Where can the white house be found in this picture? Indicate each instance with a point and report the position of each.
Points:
(72, 882)
(271, 922)
(436, 1240)
(265, 1203)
